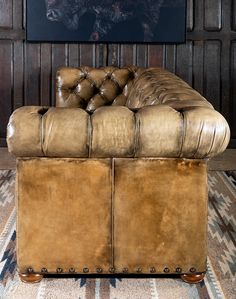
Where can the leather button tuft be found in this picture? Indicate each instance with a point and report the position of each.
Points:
(59, 270)
(44, 270)
(112, 270)
(99, 270)
(125, 270)
(178, 270)
(192, 270)
(72, 270)
(86, 270)
(30, 270)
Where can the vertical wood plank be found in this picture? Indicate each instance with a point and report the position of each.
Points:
(17, 14)
(45, 75)
(212, 76)
(155, 56)
(184, 62)
(234, 15)
(142, 55)
(170, 58)
(101, 55)
(18, 71)
(113, 54)
(190, 15)
(5, 85)
(198, 66)
(73, 55)
(32, 74)
(213, 15)
(87, 55)
(6, 13)
(127, 55)
(59, 58)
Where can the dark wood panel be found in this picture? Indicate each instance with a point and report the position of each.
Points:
(127, 54)
(190, 15)
(73, 52)
(45, 74)
(32, 74)
(213, 15)
(142, 55)
(59, 58)
(87, 55)
(198, 65)
(6, 13)
(184, 67)
(234, 15)
(170, 58)
(212, 75)
(18, 71)
(5, 85)
(155, 56)
(113, 54)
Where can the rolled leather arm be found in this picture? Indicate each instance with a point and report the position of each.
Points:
(188, 131)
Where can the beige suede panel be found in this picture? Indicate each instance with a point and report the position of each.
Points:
(160, 214)
(64, 214)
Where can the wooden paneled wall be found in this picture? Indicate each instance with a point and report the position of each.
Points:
(207, 60)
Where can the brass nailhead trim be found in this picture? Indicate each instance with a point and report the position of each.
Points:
(192, 270)
(99, 270)
(30, 270)
(125, 270)
(178, 270)
(152, 270)
(139, 270)
(111, 270)
(72, 270)
(44, 270)
(59, 270)
(86, 270)
(166, 270)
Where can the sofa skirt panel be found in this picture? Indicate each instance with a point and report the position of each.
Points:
(122, 215)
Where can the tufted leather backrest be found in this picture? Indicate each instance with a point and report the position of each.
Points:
(90, 88)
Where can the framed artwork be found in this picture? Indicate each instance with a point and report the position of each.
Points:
(153, 21)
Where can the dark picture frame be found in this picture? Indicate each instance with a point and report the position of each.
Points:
(130, 21)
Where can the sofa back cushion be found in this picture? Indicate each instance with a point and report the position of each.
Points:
(90, 88)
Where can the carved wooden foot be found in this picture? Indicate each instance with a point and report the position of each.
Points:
(193, 278)
(30, 278)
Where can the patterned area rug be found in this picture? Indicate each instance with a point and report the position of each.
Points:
(219, 282)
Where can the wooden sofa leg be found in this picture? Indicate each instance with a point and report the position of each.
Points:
(30, 278)
(193, 278)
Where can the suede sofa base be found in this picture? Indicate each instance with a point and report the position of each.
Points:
(143, 215)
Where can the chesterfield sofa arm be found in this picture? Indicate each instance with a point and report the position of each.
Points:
(123, 157)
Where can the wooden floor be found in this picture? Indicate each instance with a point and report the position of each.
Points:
(225, 161)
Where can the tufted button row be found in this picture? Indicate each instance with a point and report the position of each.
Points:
(77, 86)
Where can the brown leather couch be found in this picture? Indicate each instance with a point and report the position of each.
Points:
(114, 178)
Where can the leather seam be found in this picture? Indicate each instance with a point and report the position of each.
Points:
(136, 134)
(183, 133)
(90, 135)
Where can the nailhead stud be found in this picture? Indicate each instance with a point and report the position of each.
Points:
(178, 270)
(86, 270)
(30, 270)
(125, 270)
(166, 270)
(192, 270)
(112, 270)
(152, 270)
(59, 270)
(72, 270)
(99, 270)
(44, 270)
(139, 270)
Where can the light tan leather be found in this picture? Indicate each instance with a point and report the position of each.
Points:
(153, 131)
(91, 88)
(56, 124)
(113, 132)
(63, 217)
(167, 118)
(125, 214)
